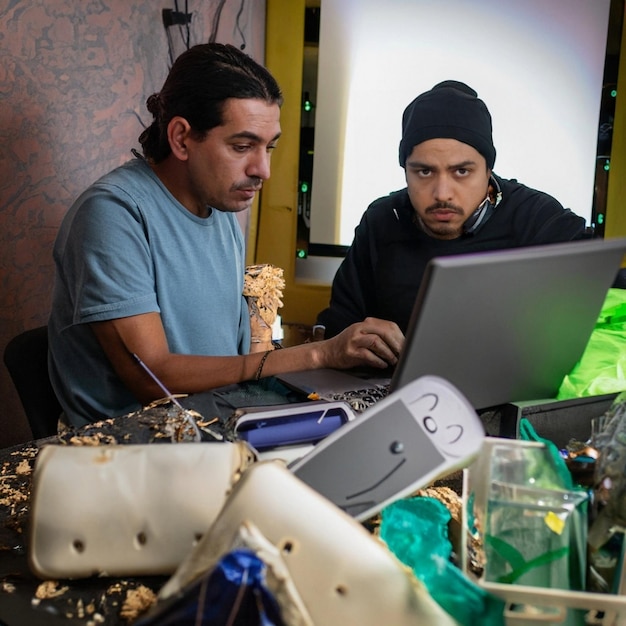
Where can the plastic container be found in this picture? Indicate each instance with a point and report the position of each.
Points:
(532, 605)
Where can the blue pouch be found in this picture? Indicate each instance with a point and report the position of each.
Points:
(233, 593)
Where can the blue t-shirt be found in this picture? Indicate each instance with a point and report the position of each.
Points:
(128, 247)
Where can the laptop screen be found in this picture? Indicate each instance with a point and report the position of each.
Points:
(507, 326)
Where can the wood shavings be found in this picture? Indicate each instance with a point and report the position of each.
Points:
(15, 476)
(87, 601)
(114, 588)
(137, 602)
(203, 422)
(263, 285)
(49, 589)
(23, 468)
(452, 501)
(93, 440)
(159, 420)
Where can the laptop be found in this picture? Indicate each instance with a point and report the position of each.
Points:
(502, 326)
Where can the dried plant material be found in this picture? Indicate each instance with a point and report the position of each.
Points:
(15, 477)
(452, 500)
(265, 284)
(7, 587)
(23, 468)
(16, 473)
(95, 620)
(49, 589)
(93, 440)
(263, 289)
(137, 601)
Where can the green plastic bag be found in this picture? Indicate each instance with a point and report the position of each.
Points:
(602, 367)
(416, 531)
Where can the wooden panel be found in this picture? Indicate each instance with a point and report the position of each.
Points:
(277, 218)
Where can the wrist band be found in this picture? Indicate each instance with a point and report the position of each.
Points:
(261, 364)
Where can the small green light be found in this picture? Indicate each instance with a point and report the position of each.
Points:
(607, 165)
(304, 187)
(301, 253)
(307, 105)
(600, 218)
(613, 93)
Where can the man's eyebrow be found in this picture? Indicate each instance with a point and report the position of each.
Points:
(245, 134)
(428, 166)
(462, 164)
(419, 164)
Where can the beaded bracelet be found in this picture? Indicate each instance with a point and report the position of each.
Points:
(261, 364)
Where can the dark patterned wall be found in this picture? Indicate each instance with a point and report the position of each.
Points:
(74, 78)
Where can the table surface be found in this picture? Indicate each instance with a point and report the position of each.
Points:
(99, 600)
(89, 601)
(81, 600)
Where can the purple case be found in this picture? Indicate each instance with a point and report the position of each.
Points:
(289, 425)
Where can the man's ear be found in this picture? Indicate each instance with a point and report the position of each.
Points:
(178, 131)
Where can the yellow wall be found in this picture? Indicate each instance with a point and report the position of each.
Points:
(278, 211)
(616, 193)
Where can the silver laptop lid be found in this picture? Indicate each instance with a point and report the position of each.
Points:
(507, 326)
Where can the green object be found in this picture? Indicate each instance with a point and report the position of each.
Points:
(602, 367)
(543, 521)
(557, 466)
(416, 531)
(519, 565)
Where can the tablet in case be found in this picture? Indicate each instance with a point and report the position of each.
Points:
(266, 428)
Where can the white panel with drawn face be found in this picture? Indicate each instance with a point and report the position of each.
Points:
(402, 443)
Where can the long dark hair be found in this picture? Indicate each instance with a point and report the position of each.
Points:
(199, 82)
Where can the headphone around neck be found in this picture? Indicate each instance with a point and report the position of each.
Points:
(484, 211)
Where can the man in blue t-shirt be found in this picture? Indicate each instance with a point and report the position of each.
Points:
(150, 258)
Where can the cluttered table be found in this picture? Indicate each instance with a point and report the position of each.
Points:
(26, 600)
(30, 600)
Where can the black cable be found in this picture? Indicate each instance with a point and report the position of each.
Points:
(243, 37)
(216, 21)
(188, 21)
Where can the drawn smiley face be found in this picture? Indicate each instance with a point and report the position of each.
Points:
(396, 447)
(440, 420)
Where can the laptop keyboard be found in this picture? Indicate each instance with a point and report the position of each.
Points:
(360, 399)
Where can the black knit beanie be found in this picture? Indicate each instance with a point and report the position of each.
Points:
(450, 110)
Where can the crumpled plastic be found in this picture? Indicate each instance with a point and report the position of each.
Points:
(416, 531)
(610, 474)
(234, 593)
(602, 367)
(552, 472)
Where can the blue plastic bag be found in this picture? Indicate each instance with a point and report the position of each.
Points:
(233, 593)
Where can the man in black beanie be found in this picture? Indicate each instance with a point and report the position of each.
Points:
(453, 203)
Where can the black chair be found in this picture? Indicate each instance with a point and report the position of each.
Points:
(26, 358)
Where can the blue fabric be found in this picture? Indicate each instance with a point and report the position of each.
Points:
(233, 593)
(128, 247)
